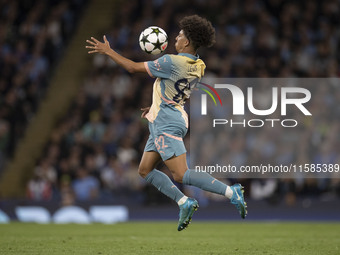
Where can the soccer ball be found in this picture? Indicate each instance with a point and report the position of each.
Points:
(153, 40)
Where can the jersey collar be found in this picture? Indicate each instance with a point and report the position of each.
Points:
(189, 56)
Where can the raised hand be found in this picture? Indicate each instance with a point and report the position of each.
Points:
(97, 46)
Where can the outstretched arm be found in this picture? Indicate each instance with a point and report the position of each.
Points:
(104, 48)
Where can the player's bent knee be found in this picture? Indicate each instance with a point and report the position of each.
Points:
(178, 177)
(143, 172)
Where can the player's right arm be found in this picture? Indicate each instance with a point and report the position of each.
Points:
(104, 48)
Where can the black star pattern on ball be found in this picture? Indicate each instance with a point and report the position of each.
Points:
(157, 45)
(144, 39)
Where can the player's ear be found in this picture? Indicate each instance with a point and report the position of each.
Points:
(187, 42)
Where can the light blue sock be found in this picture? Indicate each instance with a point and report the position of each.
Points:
(204, 181)
(163, 183)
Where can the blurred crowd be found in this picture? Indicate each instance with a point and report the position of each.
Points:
(33, 34)
(239, 143)
(94, 151)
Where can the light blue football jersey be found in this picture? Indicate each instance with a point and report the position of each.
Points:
(177, 76)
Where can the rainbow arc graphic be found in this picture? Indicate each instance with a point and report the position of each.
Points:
(209, 93)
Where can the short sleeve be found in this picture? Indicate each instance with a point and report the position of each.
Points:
(161, 67)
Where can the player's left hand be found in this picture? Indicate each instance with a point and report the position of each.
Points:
(97, 46)
(145, 111)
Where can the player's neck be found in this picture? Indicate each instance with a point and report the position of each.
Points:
(189, 51)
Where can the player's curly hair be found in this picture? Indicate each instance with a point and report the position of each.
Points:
(198, 30)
